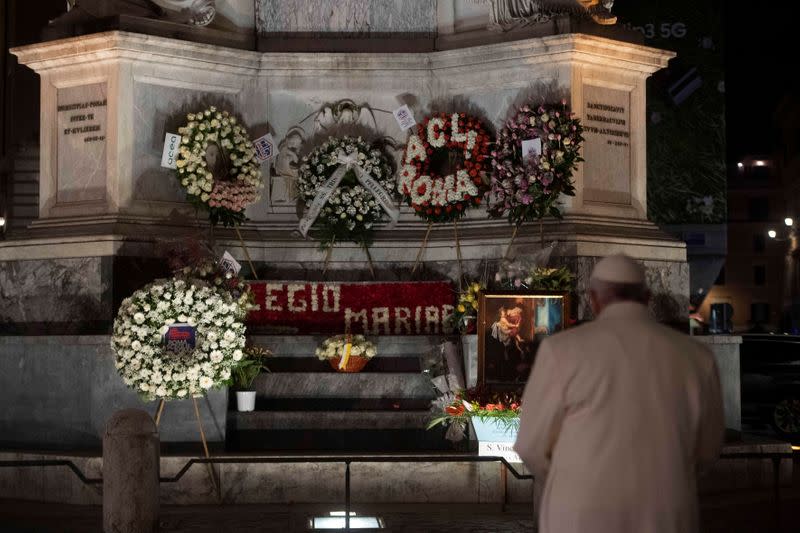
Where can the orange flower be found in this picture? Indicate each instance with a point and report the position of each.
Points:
(455, 409)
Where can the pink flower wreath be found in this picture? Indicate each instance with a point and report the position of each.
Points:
(527, 187)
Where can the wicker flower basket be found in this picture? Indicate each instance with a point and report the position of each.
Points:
(354, 364)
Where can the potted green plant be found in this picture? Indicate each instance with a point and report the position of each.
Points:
(245, 373)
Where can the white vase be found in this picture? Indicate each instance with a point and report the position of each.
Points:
(246, 400)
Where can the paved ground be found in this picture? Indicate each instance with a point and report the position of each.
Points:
(741, 512)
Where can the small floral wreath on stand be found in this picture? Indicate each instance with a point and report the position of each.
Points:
(347, 186)
(527, 187)
(224, 197)
(458, 144)
(138, 341)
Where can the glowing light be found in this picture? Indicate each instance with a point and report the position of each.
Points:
(760, 163)
(2, 221)
(336, 520)
(740, 164)
(772, 233)
(788, 221)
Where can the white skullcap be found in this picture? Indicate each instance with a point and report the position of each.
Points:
(618, 269)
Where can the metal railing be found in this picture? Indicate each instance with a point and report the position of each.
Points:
(347, 460)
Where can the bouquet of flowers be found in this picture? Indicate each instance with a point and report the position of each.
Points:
(466, 313)
(518, 276)
(212, 272)
(456, 410)
(347, 353)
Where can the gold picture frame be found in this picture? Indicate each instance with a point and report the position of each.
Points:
(511, 324)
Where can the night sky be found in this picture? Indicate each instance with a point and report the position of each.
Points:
(761, 63)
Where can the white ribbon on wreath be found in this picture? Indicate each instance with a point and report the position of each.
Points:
(326, 190)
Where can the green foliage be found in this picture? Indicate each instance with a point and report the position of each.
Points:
(551, 279)
(249, 367)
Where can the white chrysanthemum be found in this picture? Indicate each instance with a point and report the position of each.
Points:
(145, 317)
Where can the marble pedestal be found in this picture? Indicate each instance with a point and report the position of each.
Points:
(108, 99)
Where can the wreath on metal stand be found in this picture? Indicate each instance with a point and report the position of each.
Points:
(347, 186)
(442, 172)
(238, 183)
(528, 186)
(176, 339)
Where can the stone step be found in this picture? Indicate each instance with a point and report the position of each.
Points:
(336, 420)
(387, 345)
(336, 385)
(334, 431)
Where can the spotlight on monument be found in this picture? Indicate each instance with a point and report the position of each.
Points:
(788, 221)
(772, 233)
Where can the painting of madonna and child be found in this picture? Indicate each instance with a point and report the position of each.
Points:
(510, 327)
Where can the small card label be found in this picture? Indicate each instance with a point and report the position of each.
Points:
(229, 264)
(531, 148)
(404, 117)
(169, 156)
(180, 338)
(499, 449)
(265, 147)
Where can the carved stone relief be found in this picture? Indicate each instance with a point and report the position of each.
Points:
(505, 15)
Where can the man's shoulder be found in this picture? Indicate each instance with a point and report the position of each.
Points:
(584, 333)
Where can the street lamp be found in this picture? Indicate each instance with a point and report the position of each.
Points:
(788, 221)
(772, 233)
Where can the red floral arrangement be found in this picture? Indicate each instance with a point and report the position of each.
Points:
(478, 402)
(443, 166)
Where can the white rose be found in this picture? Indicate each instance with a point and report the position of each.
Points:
(138, 318)
(237, 355)
(206, 382)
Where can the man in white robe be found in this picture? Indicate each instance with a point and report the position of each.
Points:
(619, 415)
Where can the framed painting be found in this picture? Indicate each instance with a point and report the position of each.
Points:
(511, 324)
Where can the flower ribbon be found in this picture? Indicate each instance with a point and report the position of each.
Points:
(324, 193)
(347, 348)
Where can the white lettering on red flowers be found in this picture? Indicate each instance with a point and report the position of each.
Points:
(442, 195)
(400, 308)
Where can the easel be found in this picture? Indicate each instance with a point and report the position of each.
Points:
(212, 475)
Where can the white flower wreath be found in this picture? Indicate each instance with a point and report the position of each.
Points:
(225, 197)
(347, 187)
(145, 317)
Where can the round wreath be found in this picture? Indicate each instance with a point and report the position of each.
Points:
(225, 197)
(145, 317)
(461, 141)
(526, 188)
(351, 210)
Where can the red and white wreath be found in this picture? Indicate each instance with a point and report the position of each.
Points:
(464, 142)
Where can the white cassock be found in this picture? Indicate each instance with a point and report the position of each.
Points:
(617, 417)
